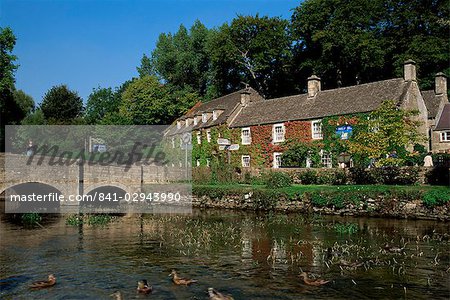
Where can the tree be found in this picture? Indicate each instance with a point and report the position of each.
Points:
(34, 118)
(148, 102)
(347, 42)
(386, 129)
(25, 102)
(61, 105)
(101, 101)
(9, 109)
(181, 59)
(146, 67)
(254, 50)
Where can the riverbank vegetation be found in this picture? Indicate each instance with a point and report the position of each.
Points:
(326, 196)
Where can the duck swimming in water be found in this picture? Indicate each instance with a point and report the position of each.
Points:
(143, 287)
(215, 295)
(51, 281)
(180, 281)
(313, 282)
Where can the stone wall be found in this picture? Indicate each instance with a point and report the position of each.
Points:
(371, 207)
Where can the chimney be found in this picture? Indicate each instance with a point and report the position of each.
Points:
(245, 97)
(409, 69)
(440, 81)
(313, 86)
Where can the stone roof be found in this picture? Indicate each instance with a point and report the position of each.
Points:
(227, 104)
(443, 122)
(431, 102)
(347, 100)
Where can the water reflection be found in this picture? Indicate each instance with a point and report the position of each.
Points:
(250, 256)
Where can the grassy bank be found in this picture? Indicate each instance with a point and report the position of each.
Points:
(337, 197)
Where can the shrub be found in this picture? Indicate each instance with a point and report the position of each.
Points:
(340, 177)
(201, 175)
(436, 198)
(439, 175)
(325, 177)
(277, 180)
(308, 177)
(266, 199)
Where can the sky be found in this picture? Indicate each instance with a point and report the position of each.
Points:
(90, 43)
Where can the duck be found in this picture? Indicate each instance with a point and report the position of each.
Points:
(180, 281)
(143, 287)
(51, 281)
(313, 282)
(117, 295)
(215, 295)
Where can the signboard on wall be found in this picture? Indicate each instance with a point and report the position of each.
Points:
(344, 131)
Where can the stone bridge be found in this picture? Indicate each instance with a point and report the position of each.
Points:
(76, 179)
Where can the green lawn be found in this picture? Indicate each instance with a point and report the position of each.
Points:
(297, 188)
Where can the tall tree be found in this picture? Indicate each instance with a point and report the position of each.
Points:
(347, 42)
(180, 59)
(9, 109)
(61, 105)
(148, 102)
(25, 102)
(254, 50)
(101, 101)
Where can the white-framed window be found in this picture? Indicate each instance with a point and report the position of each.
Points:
(278, 133)
(208, 162)
(181, 142)
(208, 135)
(195, 120)
(316, 127)
(173, 143)
(197, 162)
(246, 161)
(178, 124)
(186, 123)
(326, 159)
(277, 159)
(204, 117)
(445, 136)
(199, 137)
(246, 137)
(214, 115)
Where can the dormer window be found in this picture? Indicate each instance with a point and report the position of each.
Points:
(195, 121)
(178, 124)
(215, 115)
(186, 123)
(204, 117)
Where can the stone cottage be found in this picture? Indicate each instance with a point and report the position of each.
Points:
(256, 128)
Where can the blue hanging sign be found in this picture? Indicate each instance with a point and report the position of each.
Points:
(344, 132)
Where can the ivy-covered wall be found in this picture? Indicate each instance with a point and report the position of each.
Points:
(260, 150)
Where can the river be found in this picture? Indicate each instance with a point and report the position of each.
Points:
(247, 255)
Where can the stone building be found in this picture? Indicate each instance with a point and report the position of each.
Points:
(438, 108)
(258, 128)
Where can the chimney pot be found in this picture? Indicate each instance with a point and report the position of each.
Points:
(409, 70)
(314, 86)
(440, 86)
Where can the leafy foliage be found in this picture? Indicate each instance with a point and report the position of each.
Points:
(436, 197)
(385, 130)
(61, 105)
(277, 180)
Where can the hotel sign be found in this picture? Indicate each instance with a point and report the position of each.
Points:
(344, 132)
